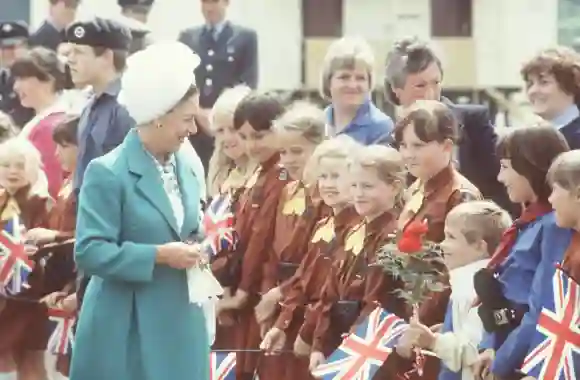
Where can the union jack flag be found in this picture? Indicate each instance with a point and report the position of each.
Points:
(361, 354)
(15, 265)
(62, 337)
(556, 352)
(218, 225)
(222, 365)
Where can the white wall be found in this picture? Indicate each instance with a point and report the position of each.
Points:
(277, 22)
(508, 32)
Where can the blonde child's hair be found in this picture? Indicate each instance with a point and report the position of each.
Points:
(481, 220)
(303, 117)
(340, 147)
(227, 103)
(565, 171)
(388, 164)
(21, 147)
(220, 165)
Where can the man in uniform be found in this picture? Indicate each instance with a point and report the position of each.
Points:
(136, 9)
(229, 56)
(50, 33)
(13, 41)
(140, 32)
(98, 55)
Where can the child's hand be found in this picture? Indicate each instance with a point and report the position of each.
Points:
(267, 305)
(273, 341)
(420, 335)
(53, 299)
(481, 368)
(301, 348)
(316, 358)
(41, 236)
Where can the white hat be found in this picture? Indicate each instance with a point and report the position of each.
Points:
(156, 79)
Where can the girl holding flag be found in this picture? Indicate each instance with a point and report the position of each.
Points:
(329, 164)
(300, 129)
(23, 203)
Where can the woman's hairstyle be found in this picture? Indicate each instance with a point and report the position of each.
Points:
(340, 147)
(227, 103)
(565, 171)
(43, 64)
(7, 127)
(531, 151)
(18, 147)
(561, 62)
(481, 220)
(432, 121)
(65, 133)
(346, 54)
(304, 118)
(259, 109)
(408, 56)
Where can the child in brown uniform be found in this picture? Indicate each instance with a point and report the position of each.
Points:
(254, 219)
(23, 331)
(329, 164)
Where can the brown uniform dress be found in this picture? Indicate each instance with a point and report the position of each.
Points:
(299, 210)
(60, 267)
(234, 185)
(24, 324)
(431, 201)
(254, 224)
(303, 289)
(353, 287)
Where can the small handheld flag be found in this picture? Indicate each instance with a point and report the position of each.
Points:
(15, 265)
(62, 337)
(555, 353)
(218, 225)
(361, 354)
(222, 365)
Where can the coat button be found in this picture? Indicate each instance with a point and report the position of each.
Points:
(208, 82)
(209, 67)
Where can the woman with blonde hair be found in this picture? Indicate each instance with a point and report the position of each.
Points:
(347, 80)
(229, 165)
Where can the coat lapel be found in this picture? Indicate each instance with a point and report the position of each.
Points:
(190, 192)
(149, 183)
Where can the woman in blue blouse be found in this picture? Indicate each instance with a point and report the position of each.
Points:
(521, 260)
(347, 80)
(137, 206)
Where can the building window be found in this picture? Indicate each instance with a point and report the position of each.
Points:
(322, 18)
(451, 18)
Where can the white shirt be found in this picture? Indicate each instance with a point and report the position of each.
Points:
(458, 349)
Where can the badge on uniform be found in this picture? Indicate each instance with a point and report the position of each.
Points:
(79, 32)
(283, 176)
(7, 28)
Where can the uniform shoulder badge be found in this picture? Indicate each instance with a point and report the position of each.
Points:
(283, 175)
(355, 240)
(325, 231)
(295, 204)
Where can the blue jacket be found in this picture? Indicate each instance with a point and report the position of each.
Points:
(136, 316)
(552, 244)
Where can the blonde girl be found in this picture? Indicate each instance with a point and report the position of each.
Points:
(329, 165)
(229, 166)
(23, 192)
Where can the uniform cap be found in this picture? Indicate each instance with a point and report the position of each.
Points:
(13, 32)
(99, 32)
(156, 79)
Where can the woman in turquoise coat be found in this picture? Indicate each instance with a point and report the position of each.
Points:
(137, 206)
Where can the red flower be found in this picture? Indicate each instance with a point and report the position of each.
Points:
(411, 240)
(409, 244)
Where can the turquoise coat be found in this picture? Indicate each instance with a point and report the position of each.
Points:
(136, 322)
